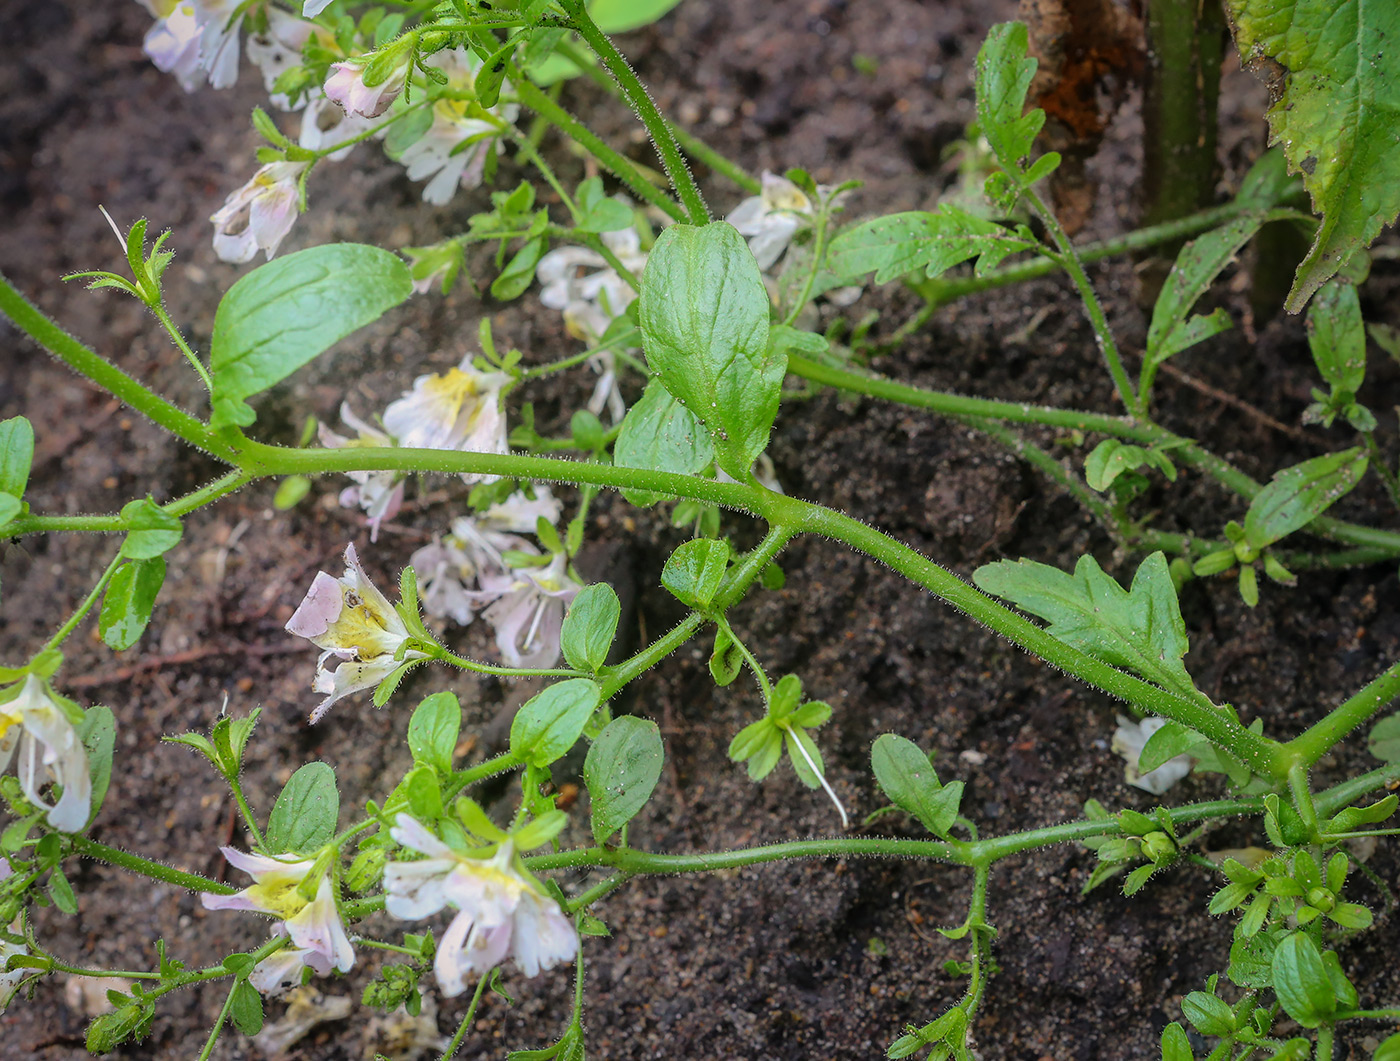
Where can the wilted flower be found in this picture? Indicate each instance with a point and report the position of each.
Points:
(1128, 741)
(195, 39)
(355, 624)
(501, 910)
(32, 720)
(380, 494)
(346, 86)
(278, 49)
(318, 938)
(529, 617)
(324, 126)
(435, 154)
(10, 981)
(258, 215)
(458, 409)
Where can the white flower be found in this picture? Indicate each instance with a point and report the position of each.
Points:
(195, 39)
(501, 910)
(318, 938)
(10, 981)
(258, 215)
(380, 494)
(278, 50)
(35, 723)
(458, 409)
(582, 284)
(324, 125)
(1128, 741)
(772, 218)
(354, 623)
(529, 617)
(444, 570)
(346, 86)
(433, 154)
(312, 8)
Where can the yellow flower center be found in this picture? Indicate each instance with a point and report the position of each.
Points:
(278, 896)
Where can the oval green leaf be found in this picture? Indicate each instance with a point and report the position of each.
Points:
(589, 627)
(621, 772)
(1298, 495)
(547, 726)
(303, 818)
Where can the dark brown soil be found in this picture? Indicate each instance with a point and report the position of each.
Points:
(770, 962)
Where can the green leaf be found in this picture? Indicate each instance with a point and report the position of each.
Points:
(1297, 495)
(1197, 266)
(1335, 85)
(726, 661)
(1141, 629)
(1388, 1050)
(433, 730)
(1004, 75)
(661, 434)
(1251, 961)
(547, 725)
(62, 892)
(621, 770)
(519, 272)
(1384, 741)
(694, 571)
(1337, 336)
(1167, 742)
(601, 213)
(246, 1008)
(898, 244)
(619, 16)
(16, 456)
(285, 313)
(907, 777)
(590, 626)
(99, 736)
(703, 313)
(127, 604)
(10, 507)
(1301, 981)
(1349, 819)
(1110, 459)
(151, 530)
(304, 816)
(1208, 1014)
(1175, 1045)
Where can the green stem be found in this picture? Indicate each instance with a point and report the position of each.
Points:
(764, 688)
(942, 290)
(183, 346)
(818, 251)
(466, 1020)
(219, 1023)
(632, 338)
(480, 772)
(1312, 744)
(1103, 335)
(1331, 800)
(1303, 798)
(247, 812)
(508, 672)
(106, 375)
(597, 246)
(627, 671)
(692, 145)
(615, 163)
(981, 939)
(67, 628)
(1324, 1043)
(645, 109)
(584, 900)
(1382, 468)
(117, 524)
(82, 845)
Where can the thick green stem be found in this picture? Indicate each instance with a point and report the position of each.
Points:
(641, 102)
(82, 845)
(617, 164)
(116, 524)
(1312, 744)
(106, 375)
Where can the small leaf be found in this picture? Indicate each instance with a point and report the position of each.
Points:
(1167, 742)
(1388, 1050)
(62, 893)
(621, 771)
(703, 313)
(128, 602)
(907, 777)
(1208, 1014)
(519, 272)
(661, 434)
(1175, 1045)
(1140, 629)
(151, 530)
(304, 816)
(726, 661)
(246, 1008)
(287, 312)
(16, 456)
(1004, 75)
(590, 626)
(1301, 981)
(99, 736)
(1298, 495)
(547, 725)
(1337, 336)
(1384, 741)
(1110, 459)
(433, 730)
(694, 571)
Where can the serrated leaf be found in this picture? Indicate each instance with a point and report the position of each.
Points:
(1140, 629)
(590, 626)
(433, 730)
(1335, 78)
(661, 434)
(898, 244)
(287, 312)
(1196, 268)
(547, 725)
(1298, 495)
(621, 771)
(304, 816)
(703, 313)
(1337, 336)
(128, 602)
(1004, 73)
(1301, 982)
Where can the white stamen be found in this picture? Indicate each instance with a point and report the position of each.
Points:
(118, 232)
(845, 822)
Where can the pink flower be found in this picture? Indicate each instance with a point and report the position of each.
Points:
(259, 215)
(354, 623)
(380, 494)
(529, 618)
(318, 939)
(346, 86)
(501, 911)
